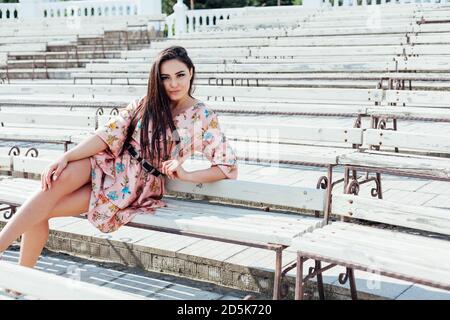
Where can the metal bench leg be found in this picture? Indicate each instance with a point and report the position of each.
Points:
(349, 275)
(353, 291)
(320, 281)
(277, 280)
(299, 278)
(379, 191)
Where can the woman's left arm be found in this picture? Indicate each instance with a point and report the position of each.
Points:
(212, 174)
(214, 146)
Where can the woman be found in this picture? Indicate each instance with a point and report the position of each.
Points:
(104, 178)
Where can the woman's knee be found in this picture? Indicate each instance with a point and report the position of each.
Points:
(75, 175)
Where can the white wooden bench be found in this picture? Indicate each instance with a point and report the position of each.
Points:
(418, 258)
(418, 154)
(46, 286)
(420, 105)
(41, 127)
(384, 252)
(257, 228)
(381, 251)
(229, 98)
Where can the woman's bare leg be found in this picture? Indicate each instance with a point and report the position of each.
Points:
(34, 239)
(38, 207)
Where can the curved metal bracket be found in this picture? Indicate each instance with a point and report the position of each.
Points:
(322, 183)
(14, 150)
(33, 152)
(99, 112)
(343, 277)
(352, 187)
(8, 214)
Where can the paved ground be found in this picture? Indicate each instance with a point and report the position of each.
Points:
(151, 285)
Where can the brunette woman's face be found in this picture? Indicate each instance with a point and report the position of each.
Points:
(176, 77)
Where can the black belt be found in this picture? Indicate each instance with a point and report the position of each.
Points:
(145, 165)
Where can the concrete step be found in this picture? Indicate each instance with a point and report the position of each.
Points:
(118, 40)
(69, 54)
(50, 64)
(38, 73)
(98, 47)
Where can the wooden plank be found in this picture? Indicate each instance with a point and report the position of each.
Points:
(31, 165)
(239, 223)
(432, 166)
(44, 285)
(419, 98)
(436, 63)
(308, 108)
(282, 132)
(411, 112)
(338, 40)
(231, 232)
(421, 218)
(73, 90)
(5, 163)
(33, 135)
(407, 140)
(394, 239)
(210, 43)
(376, 263)
(303, 198)
(175, 206)
(383, 247)
(75, 120)
(355, 95)
(231, 217)
(324, 51)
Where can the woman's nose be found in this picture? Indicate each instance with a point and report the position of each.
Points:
(173, 83)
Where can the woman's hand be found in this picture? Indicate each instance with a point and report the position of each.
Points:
(173, 170)
(52, 172)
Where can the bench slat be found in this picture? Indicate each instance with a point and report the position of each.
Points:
(409, 242)
(306, 198)
(421, 218)
(44, 285)
(381, 247)
(402, 163)
(408, 140)
(385, 262)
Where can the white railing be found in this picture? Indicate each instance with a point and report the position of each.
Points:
(96, 8)
(38, 9)
(9, 11)
(199, 20)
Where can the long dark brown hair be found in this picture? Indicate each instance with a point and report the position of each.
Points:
(155, 107)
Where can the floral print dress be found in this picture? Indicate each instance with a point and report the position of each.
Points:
(121, 189)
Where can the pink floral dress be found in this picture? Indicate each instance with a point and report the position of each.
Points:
(121, 188)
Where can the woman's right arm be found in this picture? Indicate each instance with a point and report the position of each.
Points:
(87, 148)
(111, 136)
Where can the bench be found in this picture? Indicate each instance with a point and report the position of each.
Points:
(50, 128)
(230, 98)
(46, 286)
(274, 230)
(392, 253)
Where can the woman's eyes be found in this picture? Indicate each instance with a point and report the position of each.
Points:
(178, 76)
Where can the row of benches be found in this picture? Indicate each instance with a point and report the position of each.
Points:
(306, 233)
(237, 98)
